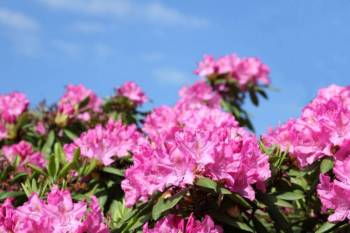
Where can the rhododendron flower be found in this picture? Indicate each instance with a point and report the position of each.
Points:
(40, 128)
(246, 71)
(132, 91)
(176, 224)
(26, 154)
(335, 196)
(206, 67)
(106, 142)
(204, 144)
(58, 215)
(324, 125)
(199, 93)
(12, 106)
(74, 96)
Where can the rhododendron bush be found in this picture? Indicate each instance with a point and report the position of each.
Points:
(93, 165)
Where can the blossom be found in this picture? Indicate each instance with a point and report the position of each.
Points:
(59, 214)
(105, 142)
(245, 71)
(201, 142)
(323, 126)
(132, 91)
(26, 154)
(334, 195)
(199, 93)
(40, 128)
(12, 105)
(206, 67)
(175, 224)
(74, 96)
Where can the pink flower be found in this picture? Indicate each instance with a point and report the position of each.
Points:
(227, 64)
(323, 126)
(335, 196)
(133, 92)
(74, 96)
(206, 67)
(106, 142)
(251, 70)
(176, 224)
(12, 106)
(40, 128)
(196, 142)
(58, 215)
(199, 93)
(26, 154)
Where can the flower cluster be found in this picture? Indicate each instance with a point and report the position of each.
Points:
(244, 71)
(132, 91)
(191, 143)
(105, 142)
(58, 215)
(24, 151)
(12, 105)
(323, 126)
(176, 224)
(76, 102)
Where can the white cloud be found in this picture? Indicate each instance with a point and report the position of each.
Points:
(155, 13)
(87, 27)
(92, 7)
(161, 14)
(152, 56)
(17, 21)
(171, 76)
(69, 48)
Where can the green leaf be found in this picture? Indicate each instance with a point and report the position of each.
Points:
(90, 167)
(114, 171)
(48, 144)
(36, 168)
(164, 205)
(325, 227)
(16, 162)
(70, 134)
(291, 196)
(53, 166)
(18, 177)
(326, 165)
(253, 97)
(66, 168)
(5, 195)
(210, 184)
(280, 220)
(59, 152)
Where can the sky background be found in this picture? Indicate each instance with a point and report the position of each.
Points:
(46, 44)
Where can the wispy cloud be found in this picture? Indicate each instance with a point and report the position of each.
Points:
(69, 48)
(17, 21)
(153, 56)
(155, 13)
(161, 14)
(91, 7)
(21, 30)
(88, 27)
(171, 76)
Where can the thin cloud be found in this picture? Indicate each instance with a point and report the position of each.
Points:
(17, 21)
(69, 48)
(155, 13)
(152, 56)
(170, 76)
(88, 27)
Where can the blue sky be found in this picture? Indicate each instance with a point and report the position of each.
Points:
(45, 44)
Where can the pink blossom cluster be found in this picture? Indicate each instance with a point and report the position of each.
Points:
(26, 154)
(323, 126)
(334, 195)
(200, 93)
(68, 105)
(12, 105)
(244, 71)
(58, 215)
(106, 142)
(132, 91)
(176, 224)
(186, 143)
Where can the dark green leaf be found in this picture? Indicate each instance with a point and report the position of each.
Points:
(5, 195)
(325, 227)
(326, 165)
(164, 205)
(114, 171)
(291, 196)
(49, 142)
